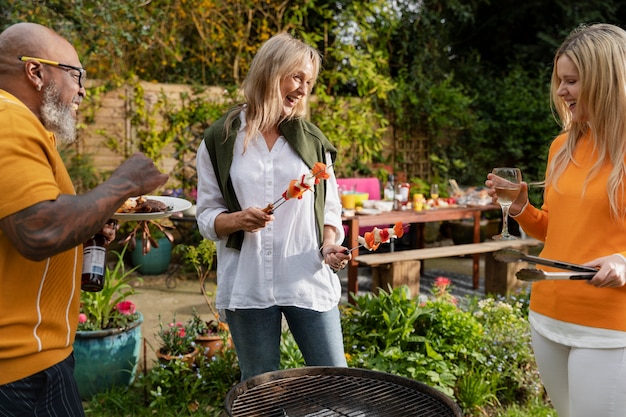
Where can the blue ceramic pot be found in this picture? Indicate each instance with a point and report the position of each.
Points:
(154, 262)
(106, 358)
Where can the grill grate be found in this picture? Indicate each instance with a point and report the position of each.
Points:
(336, 392)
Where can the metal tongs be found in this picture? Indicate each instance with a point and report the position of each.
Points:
(527, 274)
(532, 275)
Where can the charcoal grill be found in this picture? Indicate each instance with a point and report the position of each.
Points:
(336, 392)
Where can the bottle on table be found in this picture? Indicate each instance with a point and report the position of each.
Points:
(389, 191)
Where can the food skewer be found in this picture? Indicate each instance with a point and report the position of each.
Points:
(513, 255)
(297, 187)
(372, 240)
(534, 275)
(348, 251)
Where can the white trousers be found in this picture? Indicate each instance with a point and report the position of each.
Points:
(582, 382)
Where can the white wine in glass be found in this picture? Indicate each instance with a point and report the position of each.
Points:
(507, 183)
(434, 191)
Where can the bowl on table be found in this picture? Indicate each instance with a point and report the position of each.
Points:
(383, 205)
(359, 198)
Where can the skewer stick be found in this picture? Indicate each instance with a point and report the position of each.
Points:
(269, 209)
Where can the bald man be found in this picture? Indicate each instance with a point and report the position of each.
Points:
(43, 223)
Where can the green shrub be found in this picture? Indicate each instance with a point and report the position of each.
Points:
(477, 351)
(480, 353)
(173, 390)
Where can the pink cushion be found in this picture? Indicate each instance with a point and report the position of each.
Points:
(361, 185)
(370, 185)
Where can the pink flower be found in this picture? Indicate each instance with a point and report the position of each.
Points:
(82, 318)
(442, 282)
(126, 307)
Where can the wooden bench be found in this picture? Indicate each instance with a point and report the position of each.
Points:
(403, 267)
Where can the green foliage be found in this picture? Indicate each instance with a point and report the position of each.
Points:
(355, 128)
(173, 390)
(200, 257)
(176, 338)
(480, 354)
(82, 170)
(290, 355)
(507, 350)
(100, 308)
(185, 125)
(515, 129)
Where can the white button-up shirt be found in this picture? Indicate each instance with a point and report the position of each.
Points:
(280, 264)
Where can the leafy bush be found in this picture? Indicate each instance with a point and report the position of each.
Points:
(173, 390)
(477, 351)
(479, 354)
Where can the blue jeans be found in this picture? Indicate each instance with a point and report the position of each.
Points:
(51, 392)
(256, 334)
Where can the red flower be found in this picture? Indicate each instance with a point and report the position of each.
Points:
(82, 318)
(126, 307)
(442, 282)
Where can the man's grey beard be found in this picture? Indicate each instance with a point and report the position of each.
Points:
(57, 117)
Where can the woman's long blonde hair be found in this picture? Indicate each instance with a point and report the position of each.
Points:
(277, 58)
(599, 54)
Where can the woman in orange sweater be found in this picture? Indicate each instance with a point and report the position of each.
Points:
(579, 328)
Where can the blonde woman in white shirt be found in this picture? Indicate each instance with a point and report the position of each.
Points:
(281, 264)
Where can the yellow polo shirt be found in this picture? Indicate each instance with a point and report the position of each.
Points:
(39, 301)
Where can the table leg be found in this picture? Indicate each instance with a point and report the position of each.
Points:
(421, 243)
(476, 257)
(353, 266)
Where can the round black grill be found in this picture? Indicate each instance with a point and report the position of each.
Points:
(335, 392)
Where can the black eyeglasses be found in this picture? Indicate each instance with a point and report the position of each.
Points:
(82, 73)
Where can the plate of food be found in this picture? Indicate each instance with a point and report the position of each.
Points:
(150, 207)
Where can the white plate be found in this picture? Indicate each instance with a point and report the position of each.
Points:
(176, 204)
(368, 211)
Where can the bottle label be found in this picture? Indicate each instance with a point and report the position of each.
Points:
(93, 260)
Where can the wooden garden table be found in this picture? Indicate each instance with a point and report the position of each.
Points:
(412, 217)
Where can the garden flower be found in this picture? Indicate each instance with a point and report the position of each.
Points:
(126, 307)
(82, 318)
(176, 338)
(441, 290)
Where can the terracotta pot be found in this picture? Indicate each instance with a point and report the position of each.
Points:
(213, 345)
(188, 358)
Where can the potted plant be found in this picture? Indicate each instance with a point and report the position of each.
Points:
(213, 335)
(151, 252)
(108, 341)
(177, 342)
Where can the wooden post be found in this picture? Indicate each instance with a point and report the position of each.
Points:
(500, 276)
(395, 275)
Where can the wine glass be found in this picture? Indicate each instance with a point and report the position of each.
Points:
(507, 182)
(434, 191)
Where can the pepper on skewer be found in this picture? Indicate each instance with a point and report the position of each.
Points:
(372, 240)
(297, 187)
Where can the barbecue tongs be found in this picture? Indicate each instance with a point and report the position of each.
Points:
(577, 272)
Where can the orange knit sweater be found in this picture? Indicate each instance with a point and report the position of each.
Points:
(577, 228)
